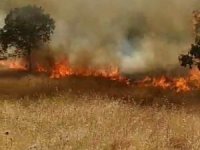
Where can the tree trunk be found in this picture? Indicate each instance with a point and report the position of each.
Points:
(30, 66)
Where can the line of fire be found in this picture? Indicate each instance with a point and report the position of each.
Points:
(17, 47)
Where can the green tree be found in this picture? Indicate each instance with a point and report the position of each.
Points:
(26, 28)
(193, 56)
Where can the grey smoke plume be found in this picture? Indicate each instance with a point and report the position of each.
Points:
(136, 35)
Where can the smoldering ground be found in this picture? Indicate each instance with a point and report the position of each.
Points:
(136, 35)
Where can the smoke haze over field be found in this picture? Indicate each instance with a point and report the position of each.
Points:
(137, 35)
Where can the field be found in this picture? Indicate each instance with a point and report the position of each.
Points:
(38, 113)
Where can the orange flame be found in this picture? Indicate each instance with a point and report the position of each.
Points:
(62, 68)
(162, 82)
(14, 64)
(180, 84)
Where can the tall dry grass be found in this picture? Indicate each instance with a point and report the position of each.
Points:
(63, 123)
(37, 113)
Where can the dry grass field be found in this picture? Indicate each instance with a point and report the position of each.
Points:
(38, 113)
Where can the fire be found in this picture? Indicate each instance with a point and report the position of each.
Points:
(14, 64)
(180, 84)
(63, 68)
(162, 82)
(194, 77)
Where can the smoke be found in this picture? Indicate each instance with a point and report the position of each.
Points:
(136, 35)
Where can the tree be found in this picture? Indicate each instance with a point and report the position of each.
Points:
(26, 28)
(193, 56)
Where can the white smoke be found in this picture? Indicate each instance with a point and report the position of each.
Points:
(136, 35)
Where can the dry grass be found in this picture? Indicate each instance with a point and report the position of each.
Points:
(41, 114)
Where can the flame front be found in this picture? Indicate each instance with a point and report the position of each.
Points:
(62, 69)
(180, 84)
(14, 64)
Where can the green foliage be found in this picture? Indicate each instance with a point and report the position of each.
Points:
(26, 28)
(193, 56)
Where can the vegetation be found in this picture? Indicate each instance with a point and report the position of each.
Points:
(88, 122)
(26, 28)
(193, 56)
(38, 113)
(79, 113)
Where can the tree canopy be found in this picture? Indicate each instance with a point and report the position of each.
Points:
(26, 28)
(193, 56)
